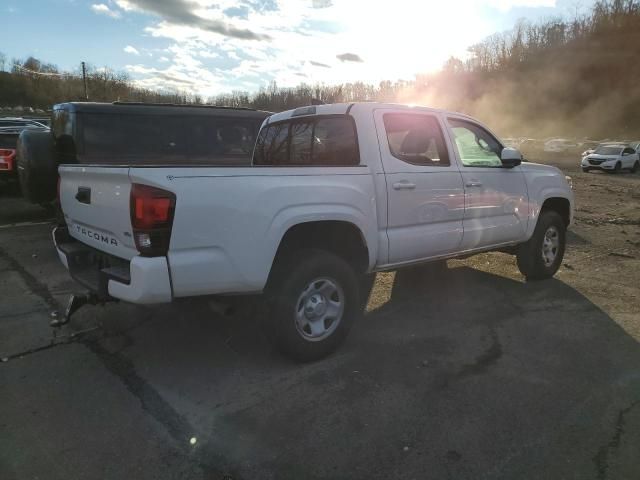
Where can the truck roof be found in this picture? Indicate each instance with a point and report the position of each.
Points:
(343, 108)
(139, 108)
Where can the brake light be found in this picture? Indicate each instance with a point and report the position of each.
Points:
(7, 158)
(151, 218)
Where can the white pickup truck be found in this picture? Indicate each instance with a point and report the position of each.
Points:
(333, 192)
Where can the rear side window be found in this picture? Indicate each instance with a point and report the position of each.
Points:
(165, 139)
(416, 139)
(322, 141)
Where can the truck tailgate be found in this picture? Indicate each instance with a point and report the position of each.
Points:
(95, 202)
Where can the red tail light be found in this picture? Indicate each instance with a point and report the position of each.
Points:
(7, 158)
(152, 218)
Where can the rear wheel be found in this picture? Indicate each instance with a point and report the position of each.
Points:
(541, 256)
(315, 299)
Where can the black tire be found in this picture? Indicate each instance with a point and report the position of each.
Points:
(586, 169)
(530, 257)
(636, 167)
(37, 169)
(289, 281)
(618, 167)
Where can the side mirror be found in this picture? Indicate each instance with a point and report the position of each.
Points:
(510, 157)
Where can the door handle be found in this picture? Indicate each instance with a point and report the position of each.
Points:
(404, 185)
(473, 183)
(84, 195)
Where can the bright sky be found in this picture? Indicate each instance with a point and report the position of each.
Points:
(215, 46)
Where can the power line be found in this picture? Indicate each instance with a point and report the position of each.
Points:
(45, 74)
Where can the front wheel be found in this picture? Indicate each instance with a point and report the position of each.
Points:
(586, 169)
(636, 167)
(541, 256)
(315, 299)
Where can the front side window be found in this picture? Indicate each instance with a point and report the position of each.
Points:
(416, 139)
(309, 142)
(476, 146)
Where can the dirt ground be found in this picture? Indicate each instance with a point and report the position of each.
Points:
(603, 256)
(468, 373)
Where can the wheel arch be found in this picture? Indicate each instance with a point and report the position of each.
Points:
(341, 237)
(561, 205)
(554, 199)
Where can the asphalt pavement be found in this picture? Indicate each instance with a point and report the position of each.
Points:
(465, 374)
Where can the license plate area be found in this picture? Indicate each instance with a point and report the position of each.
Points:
(92, 268)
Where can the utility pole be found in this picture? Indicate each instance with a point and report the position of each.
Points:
(84, 80)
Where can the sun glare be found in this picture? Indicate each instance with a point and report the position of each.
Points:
(411, 38)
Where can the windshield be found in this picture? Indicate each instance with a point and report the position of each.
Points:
(608, 150)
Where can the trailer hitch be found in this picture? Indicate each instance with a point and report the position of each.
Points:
(75, 302)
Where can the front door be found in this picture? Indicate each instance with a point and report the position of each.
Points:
(629, 157)
(496, 200)
(424, 186)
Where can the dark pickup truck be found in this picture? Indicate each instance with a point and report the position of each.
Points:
(121, 133)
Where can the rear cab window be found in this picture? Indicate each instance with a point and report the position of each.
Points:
(323, 140)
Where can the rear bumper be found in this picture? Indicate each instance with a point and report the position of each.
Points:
(142, 280)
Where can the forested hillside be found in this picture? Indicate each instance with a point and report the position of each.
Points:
(578, 77)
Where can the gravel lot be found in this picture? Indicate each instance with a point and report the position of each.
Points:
(467, 374)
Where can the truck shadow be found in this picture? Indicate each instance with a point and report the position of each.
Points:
(455, 372)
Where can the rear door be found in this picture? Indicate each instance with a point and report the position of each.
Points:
(496, 199)
(424, 186)
(95, 202)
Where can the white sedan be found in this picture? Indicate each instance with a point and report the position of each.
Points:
(612, 158)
